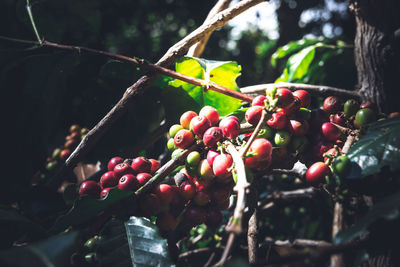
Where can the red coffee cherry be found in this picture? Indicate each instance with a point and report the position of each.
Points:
(90, 188)
(292, 108)
(211, 154)
(304, 96)
(155, 165)
(333, 152)
(298, 128)
(71, 144)
(143, 178)
(199, 124)
(336, 118)
(165, 193)
(332, 104)
(212, 136)
(183, 139)
(230, 127)
(317, 172)
(113, 162)
(122, 169)
(128, 182)
(262, 148)
(187, 190)
(370, 105)
(108, 179)
(318, 149)
(64, 154)
(330, 131)
(285, 97)
(259, 101)
(211, 114)
(221, 165)
(278, 121)
(186, 118)
(141, 164)
(104, 192)
(253, 115)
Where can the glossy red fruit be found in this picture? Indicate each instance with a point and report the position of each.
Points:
(155, 165)
(64, 154)
(211, 114)
(199, 124)
(298, 128)
(186, 118)
(183, 139)
(319, 148)
(333, 152)
(212, 136)
(259, 101)
(304, 96)
(262, 148)
(338, 119)
(113, 162)
(141, 164)
(104, 192)
(253, 114)
(214, 217)
(166, 222)
(211, 154)
(108, 179)
(122, 169)
(222, 164)
(393, 115)
(201, 198)
(71, 144)
(230, 127)
(195, 215)
(278, 121)
(285, 97)
(128, 182)
(292, 108)
(165, 193)
(90, 188)
(187, 190)
(330, 131)
(332, 104)
(317, 172)
(143, 178)
(370, 105)
(150, 205)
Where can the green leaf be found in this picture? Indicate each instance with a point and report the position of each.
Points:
(298, 65)
(221, 72)
(291, 47)
(86, 208)
(54, 251)
(379, 147)
(387, 208)
(146, 245)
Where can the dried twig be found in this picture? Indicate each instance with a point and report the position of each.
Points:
(197, 49)
(319, 90)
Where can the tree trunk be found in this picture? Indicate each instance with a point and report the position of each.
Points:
(377, 51)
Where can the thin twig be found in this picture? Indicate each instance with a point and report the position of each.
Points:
(337, 221)
(260, 124)
(174, 53)
(197, 49)
(297, 243)
(29, 10)
(319, 90)
(253, 231)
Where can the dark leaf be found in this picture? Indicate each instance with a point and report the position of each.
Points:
(379, 147)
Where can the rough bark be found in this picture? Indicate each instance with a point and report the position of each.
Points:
(377, 52)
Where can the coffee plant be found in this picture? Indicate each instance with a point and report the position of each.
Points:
(240, 170)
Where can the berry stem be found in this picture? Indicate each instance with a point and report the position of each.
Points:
(253, 136)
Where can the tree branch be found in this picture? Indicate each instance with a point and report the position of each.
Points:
(197, 49)
(175, 52)
(296, 243)
(318, 90)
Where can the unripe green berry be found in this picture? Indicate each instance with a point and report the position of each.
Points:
(174, 129)
(171, 145)
(282, 138)
(193, 159)
(265, 132)
(350, 107)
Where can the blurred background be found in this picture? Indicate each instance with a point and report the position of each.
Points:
(45, 91)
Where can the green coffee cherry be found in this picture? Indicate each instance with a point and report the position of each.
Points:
(299, 143)
(350, 108)
(303, 113)
(193, 159)
(365, 116)
(282, 138)
(174, 129)
(341, 166)
(265, 132)
(171, 145)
